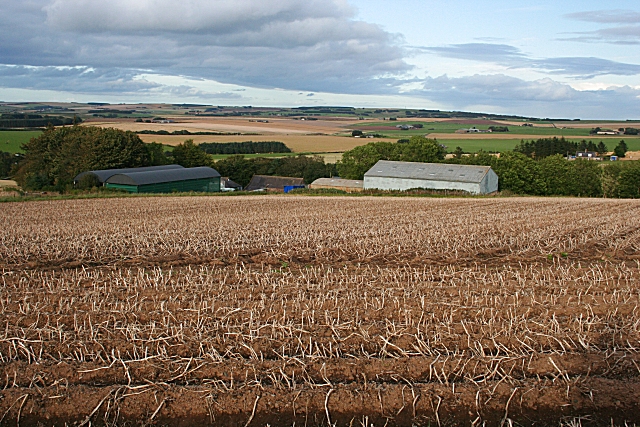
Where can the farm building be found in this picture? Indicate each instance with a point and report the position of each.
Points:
(102, 175)
(588, 155)
(227, 184)
(201, 179)
(273, 183)
(390, 175)
(348, 185)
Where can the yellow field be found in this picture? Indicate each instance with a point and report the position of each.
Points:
(275, 126)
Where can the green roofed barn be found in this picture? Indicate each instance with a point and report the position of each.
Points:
(201, 179)
(101, 176)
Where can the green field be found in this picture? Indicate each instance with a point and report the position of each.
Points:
(10, 140)
(452, 127)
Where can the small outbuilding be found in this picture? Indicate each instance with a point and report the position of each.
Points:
(273, 183)
(348, 185)
(390, 175)
(201, 179)
(227, 184)
(101, 176)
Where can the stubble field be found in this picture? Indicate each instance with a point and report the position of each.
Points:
(284, 310)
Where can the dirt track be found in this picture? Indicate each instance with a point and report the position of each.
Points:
(318, 311)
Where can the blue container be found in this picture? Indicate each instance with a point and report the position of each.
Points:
(288, 188)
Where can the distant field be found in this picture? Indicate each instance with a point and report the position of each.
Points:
(274, 126)
(10, 141)
(297, 143)
(334, 144)
(389, 129)
(494, 145)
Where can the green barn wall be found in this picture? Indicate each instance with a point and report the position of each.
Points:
(208, 185)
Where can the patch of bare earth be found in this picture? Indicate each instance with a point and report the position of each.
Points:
(320, 311)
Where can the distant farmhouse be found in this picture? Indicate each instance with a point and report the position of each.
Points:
(473, 130)
(588, 155)
(390, 175)
(274, 183)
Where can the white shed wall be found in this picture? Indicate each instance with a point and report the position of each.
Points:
(489, 183)
(403, 184)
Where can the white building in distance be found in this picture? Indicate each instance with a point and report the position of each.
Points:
(390, 175)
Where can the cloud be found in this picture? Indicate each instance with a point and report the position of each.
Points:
(73, 79)
(617, 16)
(512, 57)
(86, 80)
(309, 45)
(214, 16)
(479, 52)
(625, 29)
(539, 98)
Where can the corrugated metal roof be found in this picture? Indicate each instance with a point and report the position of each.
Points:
(160, 176)
(338, 182)
(428, 171)
(105, 174)
(264, 182)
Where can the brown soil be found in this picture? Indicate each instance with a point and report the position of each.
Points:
(320, 311)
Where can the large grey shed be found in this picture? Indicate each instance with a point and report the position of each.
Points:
(390, 175)
(104, 174)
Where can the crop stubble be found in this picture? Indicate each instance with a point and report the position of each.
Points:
(348, 311)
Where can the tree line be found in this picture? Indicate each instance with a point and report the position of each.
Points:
(16, 120)
(246, 147)
(240, 169)
(545, 147)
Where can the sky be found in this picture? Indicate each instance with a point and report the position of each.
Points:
(569, 59)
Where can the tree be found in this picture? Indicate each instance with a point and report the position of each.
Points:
(458, 153)
(519, 174)
(622, 179)
(421, 149)
(53, 159)
(621, 149)
(356, 133)
(356, 162)
(629, 181)
(156, 154)
(190, 155)
(602, 149)
(585, 178)
(554, 171)
(8, 163)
